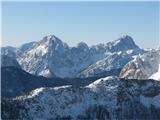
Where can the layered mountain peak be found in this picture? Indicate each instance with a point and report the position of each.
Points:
(127, 40)
(51, 40)
(122, 44)
(48, 44)
(51, 37)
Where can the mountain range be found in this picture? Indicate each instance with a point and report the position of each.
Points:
(48, 79)
(50, 57)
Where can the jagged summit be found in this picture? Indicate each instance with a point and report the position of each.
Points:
(122, 44)
(51, 39)
(125, 39)
(52, 57)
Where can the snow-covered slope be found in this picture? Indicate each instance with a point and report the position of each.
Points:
(112, 61)
(143, 66)
(25, 47)
(123, 43)
(51, 57)
(106, 98)
(156, 76)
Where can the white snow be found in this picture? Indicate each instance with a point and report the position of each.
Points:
(42, 49)
(100, 83)
(35, 92)
(143, 66)
(129, 51)
(62, 87)
(156, 75)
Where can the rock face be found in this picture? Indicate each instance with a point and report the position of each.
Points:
(143, 66)
(51, 57)
(112, 63)
(106, 98)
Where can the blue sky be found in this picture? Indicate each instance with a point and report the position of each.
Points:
(91, 22)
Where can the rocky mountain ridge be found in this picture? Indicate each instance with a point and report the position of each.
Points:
(52, 57)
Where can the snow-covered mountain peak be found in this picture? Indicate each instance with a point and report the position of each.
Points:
(48, 44)
(122, 44)
(51, 40)
(125, 39)
(51, 37)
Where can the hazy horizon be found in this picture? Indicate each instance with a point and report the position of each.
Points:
(74, 22)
